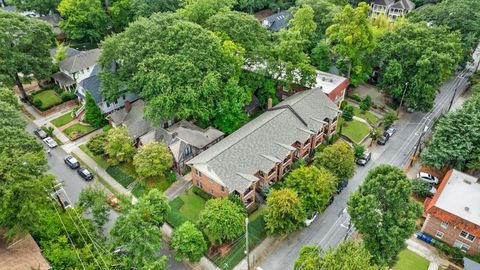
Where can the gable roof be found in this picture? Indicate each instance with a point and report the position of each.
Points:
(404, 4)
(457, 200)
(195, 135)
(80, 61)
(277, 21)
(21, 254)
(133, 120)
(92, 84)
(266, 140)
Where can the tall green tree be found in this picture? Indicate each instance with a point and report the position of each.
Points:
(84, 20)
(302, 22)
(153, 159)
(285, 212)
(43, 7)
(421, 55)
(154, 207)
(456, 136)
(93, 114)
(314, 186)
(184, 77)
(92, 201)
(338, 158)
(198, 11)
(221, 220)
(348, 255)
(24, 49)
(383, 212)
(352, 41)
(119, 146)
(321, 57)
(188, 242)
(324, 12)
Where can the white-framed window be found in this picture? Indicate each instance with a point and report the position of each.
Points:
(459, 244)
(466, 235)
(199, 183)
(444, 224)
(198, 173)
(439, 234)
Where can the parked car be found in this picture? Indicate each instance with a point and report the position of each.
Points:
(341, 186)
(427, 178)
(364, 159)
(85, 173)
(384, 139)
(50, 142)
(113, 201)
(391, 131)
(40, 133)
(71, 162)
(67, 205)
(311, 218)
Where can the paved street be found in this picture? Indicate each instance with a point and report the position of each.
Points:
(331, 227)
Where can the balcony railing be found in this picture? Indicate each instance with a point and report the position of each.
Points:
(248, 192)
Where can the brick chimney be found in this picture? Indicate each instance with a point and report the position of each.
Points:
(269, 104)
(128, 106)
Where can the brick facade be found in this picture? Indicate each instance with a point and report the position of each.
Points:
(450, 234)
(208, 185)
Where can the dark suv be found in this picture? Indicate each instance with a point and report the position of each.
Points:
(384, 139)
(341, 186)
(85, 174)
(71, 162)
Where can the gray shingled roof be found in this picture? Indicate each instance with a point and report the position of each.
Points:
(383, 2)
(267, 139)
(195, 135)
(70, 52)
(404, 4)
(133, 120)
(80, 61)
(277, 21)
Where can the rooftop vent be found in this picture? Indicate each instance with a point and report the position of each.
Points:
(467, 208)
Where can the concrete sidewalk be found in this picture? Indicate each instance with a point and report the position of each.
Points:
(428, 252)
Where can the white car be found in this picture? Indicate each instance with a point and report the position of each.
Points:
(50, 142)
(427, 178)
(311, 218)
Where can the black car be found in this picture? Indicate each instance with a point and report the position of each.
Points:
(384, 139)
(71, 162)
(364, 159)
(40, 133)
(85, 174)
(341, 186)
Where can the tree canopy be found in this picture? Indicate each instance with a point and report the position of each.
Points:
(348, 255)
(24, 48)
(383, 212)
(314, 186)
(420, 55)
(40, 6)
(92, 201)
(153, 159)
(339, 159)
(285, 212)
(221, 220)
(119, 146)
(199, 11)
(93, 114)
(188, 242)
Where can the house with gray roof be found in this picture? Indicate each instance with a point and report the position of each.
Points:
(391, 8)
(132, 118)
(277, 21)
(261, 152)
(76, 68)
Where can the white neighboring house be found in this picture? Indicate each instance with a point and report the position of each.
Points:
(391, 8)
(76, 68)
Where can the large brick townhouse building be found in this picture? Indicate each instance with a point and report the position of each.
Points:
(453, 214)
(262, 151)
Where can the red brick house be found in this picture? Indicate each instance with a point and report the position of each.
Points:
(261, 152)
(453, 214)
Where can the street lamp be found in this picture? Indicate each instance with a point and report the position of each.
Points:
(425, 128)
(403, 96)
(246, 243)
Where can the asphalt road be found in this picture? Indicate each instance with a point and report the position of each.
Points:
(332, 227)
(73, 185)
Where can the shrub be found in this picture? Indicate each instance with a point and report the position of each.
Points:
(358, 150)
(421, 188)
(121, 177)
(348, 113)
(238, 201)
(201, 193)
(37, 103)
(171, 177)
(299, 163)
(389, 118)
(453, 254)
(96, 144)
(343, 104)
(334, 138)
(365, 104)
(48, 130)
(356, 97)
(66, 96)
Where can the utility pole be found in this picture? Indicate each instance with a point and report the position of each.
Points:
(403, 96)
(425, 128)
(246, 243)
(58, 197)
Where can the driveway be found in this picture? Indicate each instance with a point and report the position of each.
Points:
(331, 227)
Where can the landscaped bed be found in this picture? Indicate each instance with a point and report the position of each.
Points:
(354, 130)
(45, 100)
(409, 260)
(62, 120)
(78, 130)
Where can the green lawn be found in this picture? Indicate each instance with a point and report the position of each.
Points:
(408, 260)
(77, 130)
(49, 98)
(62, 120)
(185, 207)
(370, 117)
(100, 160)
(355, 130)
(159, 182)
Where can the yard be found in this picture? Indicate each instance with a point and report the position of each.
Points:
(408, 260)
(78, 130)
(161, 183)
(355, 130)
(46, 99)
(370, 117)
(62, 120)
(185, 207)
